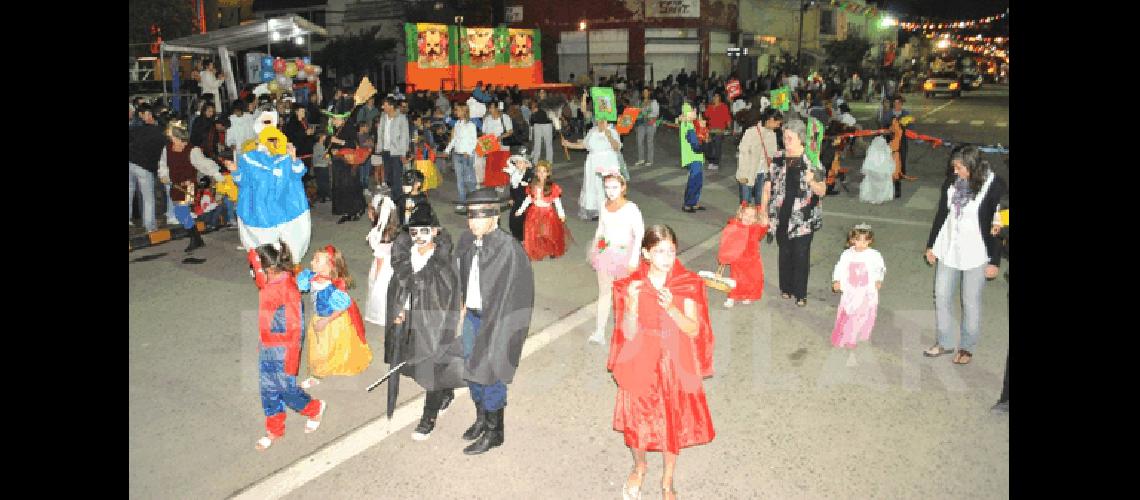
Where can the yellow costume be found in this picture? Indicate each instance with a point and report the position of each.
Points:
(336, 350)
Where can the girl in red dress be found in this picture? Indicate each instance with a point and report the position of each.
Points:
(661, 349)
(747, 268)
(545, 231)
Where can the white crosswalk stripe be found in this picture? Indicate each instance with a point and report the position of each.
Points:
(1001, 124)
(952, 122)
(977, 123)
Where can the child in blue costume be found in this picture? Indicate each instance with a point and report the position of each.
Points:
(335, 336)
(273, 205)
(691, 158)
(280, 320)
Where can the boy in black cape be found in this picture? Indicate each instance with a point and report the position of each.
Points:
(423, 311)
(522, 173)
(497, 286)
(410, 196)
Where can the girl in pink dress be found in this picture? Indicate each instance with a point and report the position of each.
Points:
(859, 275)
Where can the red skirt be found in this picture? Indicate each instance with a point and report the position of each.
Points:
(493, 175)
(544, 234)
(664, 418)
(749, 276)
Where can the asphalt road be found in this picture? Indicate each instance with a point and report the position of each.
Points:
(792, 420)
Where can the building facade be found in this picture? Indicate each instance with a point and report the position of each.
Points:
(637, 39)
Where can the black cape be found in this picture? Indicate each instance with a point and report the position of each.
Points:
(518, 196)
(416, 199)
(427, 339)
(506, 285)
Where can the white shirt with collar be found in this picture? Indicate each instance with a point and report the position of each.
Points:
(497, 126)
(463, 138)
(474, 297)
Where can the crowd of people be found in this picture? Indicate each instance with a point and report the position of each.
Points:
(468, 299)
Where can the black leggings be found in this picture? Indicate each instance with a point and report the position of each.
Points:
(794, 262)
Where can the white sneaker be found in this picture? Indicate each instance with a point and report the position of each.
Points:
(172, 221)
(639, 163)
(729, 303)
(597, 338)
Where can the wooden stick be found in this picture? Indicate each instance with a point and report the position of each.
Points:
(565, 150)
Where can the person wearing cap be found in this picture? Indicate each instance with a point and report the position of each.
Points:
(423, 313)
(497, 295)
(347, 193)
(179, 166)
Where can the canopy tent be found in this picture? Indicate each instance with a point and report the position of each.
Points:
(247, 36)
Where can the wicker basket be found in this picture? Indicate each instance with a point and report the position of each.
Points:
(718, 281)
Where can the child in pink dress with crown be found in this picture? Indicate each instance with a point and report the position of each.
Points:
(859, 275)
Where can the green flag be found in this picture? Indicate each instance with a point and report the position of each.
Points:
(605, 105)
(782, 99)
(815, 142)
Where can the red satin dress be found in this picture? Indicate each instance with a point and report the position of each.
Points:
(748, 269)
(544, 234)
(660, 404)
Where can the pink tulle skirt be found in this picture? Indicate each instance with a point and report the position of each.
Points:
(613, 261)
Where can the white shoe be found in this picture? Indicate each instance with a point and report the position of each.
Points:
(746, 302)
(597, 338)
(172, 221)
(649, 164)
(729, 303)
(310, 382)
(639, 163)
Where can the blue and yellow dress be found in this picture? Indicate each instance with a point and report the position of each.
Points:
(339, 349)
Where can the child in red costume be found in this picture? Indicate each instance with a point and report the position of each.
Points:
(745, 231)
(661, 349)
(279, 352)
(545, 231)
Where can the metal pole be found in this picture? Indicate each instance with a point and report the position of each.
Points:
(800, 37)
(162, 67)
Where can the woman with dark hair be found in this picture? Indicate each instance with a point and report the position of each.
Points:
(347, 193)
(661, 349)
(793, 192)
(300, 135)
(963, 248)
(203, 133)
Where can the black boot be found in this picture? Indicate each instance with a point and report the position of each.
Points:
(491, 438)
(476, 428)
(447, 396)
(195, 239)
(344, 218)
(432, 403)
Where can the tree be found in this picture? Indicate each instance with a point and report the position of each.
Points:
(355, 54)
(174, 17)
(847, 54)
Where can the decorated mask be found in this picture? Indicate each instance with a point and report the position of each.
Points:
(265, 118)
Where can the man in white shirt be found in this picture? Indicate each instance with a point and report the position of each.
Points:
(392, 139)
(462, 149)
(211, 83)
(497, 288)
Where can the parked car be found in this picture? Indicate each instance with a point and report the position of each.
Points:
(945, 82)
(971, 81)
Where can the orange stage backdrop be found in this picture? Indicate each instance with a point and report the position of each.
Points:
(495, 56)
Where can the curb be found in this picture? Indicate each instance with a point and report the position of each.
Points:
(161, 236)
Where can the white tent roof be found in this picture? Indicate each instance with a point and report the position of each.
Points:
(247, 36)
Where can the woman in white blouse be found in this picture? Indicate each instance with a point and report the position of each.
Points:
(614, 249)
(964, 247)
(462, 149)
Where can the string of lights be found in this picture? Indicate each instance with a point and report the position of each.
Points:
(945, 25)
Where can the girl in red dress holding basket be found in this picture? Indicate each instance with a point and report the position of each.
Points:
(545, 231)
(661, 349)
(740, 250)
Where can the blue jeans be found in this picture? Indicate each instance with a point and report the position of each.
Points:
(753, 193)
(169, 203)
(464, 174)
(946, 281)
(365, 173)
(231, 215)
(696, 181)
(488, 397)
(184, 215)
(140, 178)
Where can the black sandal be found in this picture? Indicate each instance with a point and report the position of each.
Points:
(936, 350)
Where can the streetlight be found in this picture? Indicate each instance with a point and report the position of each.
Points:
(583, 27)
(804, 5)
(462, 40)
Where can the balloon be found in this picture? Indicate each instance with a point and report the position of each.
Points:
(279, 66)
(273, 86)
(290, 69)
(267, 63)
(267, 76)
(300, 64)
(283, 81)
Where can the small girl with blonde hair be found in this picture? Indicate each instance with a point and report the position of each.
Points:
(335, 336)
(859, 275)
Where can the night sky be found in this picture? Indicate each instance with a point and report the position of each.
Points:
(947, 11)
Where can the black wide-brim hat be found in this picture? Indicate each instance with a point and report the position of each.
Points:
(483, 196)
(423, 216)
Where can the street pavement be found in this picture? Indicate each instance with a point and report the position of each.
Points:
(792, 420)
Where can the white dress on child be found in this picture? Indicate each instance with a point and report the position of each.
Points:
(379, 275)
(601, 158)
(878, 168)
